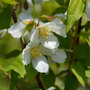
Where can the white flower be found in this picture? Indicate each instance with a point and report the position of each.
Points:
(45, 35)
(88, 10)
(16, 29)
(57, 55)
(32, 52)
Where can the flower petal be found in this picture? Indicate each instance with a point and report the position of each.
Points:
(51, 42)
(16, 30)
(61, 15)
(59, 56)
(33, 43)
(40, 64)
(46, 25)
(26, 56)
(2, 33)
(34, 34)
(58, 27)
(46, 51)
(25, 16)
(88, 10)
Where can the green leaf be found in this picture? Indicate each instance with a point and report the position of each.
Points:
(12, 2)
(1, 9)
(14, 79)
(87, 73)
(87, 27)
(79, 72)
(86, 36)
(75, 11)
(33, 1)
(49, 79)
(81, 51)
(13, 53)
(61, 9)
(30, 73)
(64, 42)
(17, 66)
(62, 2)
(82, 54)
(4, 21)
(71, 82)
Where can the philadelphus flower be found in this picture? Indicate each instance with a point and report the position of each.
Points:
(32, 52)
(45, 33)
(16, 29)
(35, 52)
(88, 10)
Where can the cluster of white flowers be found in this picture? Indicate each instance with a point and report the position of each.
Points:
(42, 42)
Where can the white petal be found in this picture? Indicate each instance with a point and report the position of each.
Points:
(88, 10)
(59, 56)
(25, 16)
(58, 27)
(2, 33)
(44, 25)
(61, 15)
(46, 51)
(26, 56)
(34, 34)
(40, 64)
(26, 36)
(16, 30)
(51, 88)
(51, 42)
(33, 43)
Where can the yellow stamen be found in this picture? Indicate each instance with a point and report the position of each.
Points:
(45, 32)
(36, 53)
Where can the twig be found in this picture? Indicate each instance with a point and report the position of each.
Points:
(40, 81)
(74, 41)
(8, 76)
(13, 14)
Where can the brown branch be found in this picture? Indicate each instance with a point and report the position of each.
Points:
(13, 14)
(8, 76)
(74, 41)
(40, 82)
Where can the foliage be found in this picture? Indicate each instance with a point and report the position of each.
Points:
(44, 44)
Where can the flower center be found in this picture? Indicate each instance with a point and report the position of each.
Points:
(36, 52)
(45, 32)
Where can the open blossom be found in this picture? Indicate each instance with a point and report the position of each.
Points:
(16, 29)
(32, 52)
(45, 33)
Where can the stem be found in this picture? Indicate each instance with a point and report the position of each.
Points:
(40, 82)
(15, 21)
(26, 5)
(79, 29)
(74, 40)
(72, 47)
(8, 76)
(13, 14)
